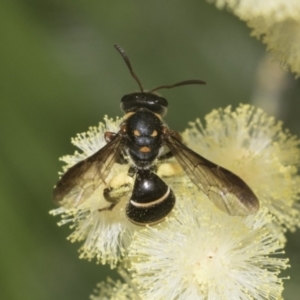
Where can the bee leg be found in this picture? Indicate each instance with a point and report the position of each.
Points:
(113, 200)
(120, 185)
(108, 208)
(165, 156)
(108, 136)
(131, 172)
(109, 198)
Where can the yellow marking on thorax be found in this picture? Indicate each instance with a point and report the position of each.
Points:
(145, 149)
(154, 133)
(136, 133)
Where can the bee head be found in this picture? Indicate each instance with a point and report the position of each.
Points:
(134, 101)
(156, 104)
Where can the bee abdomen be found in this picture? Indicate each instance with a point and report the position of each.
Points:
(151, 200)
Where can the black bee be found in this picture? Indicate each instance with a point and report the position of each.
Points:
(139, 143)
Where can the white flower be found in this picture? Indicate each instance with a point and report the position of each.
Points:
(278, 9)
(246, 142)
(203, 253)
(277, 22)
(255, 147)
(116, 290)
(107, 233)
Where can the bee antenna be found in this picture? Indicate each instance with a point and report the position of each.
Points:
(186, 82)
(126, 59)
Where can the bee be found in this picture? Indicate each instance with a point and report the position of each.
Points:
(143, 140)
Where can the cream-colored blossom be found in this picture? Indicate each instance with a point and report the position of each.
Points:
(116, 290)
(107, 233)
(277, 9)
(276, 22)
(202, 253)
(256, 148)
(246, 142)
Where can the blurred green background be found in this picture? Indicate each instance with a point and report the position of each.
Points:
(59, 74)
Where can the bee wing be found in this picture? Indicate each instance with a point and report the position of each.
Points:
(225, 189)
(81, 180)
